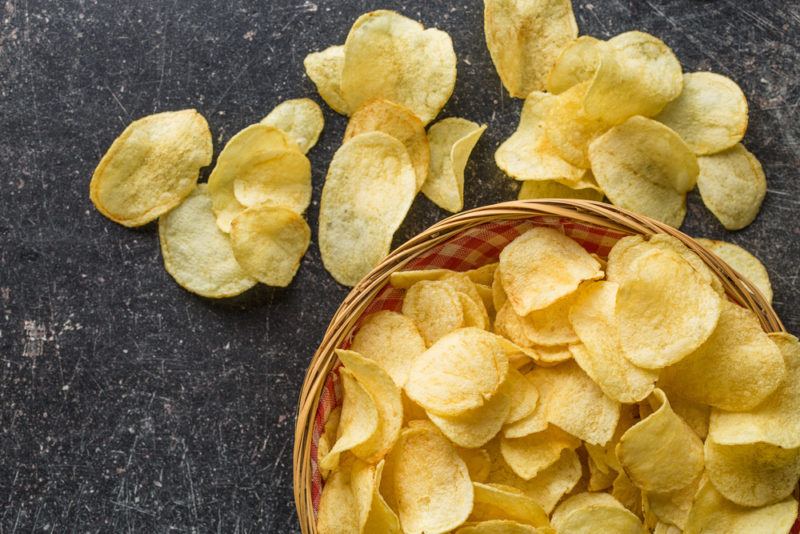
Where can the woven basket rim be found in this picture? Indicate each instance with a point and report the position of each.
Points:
(589, 212)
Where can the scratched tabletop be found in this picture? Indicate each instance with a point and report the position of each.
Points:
(130, 405)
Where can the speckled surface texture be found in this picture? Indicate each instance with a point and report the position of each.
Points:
(130, 405)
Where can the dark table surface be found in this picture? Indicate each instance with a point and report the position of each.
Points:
(130, 405)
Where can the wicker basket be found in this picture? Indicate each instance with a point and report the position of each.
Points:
(464, 241)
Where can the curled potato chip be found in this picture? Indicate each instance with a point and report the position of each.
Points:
(392, 57)
(392, 340)
(533, 189)
(710, 114)
(374, 514)
(541, 266)
(495, 501)
(577, 63)
(695, 414)
(713, 514)
(732, 185)
(776, 420)
(626, 492)
(477, 461)
(647, 448)
(664, 528)
(524, 396)
(599, 480)
(528, 154)
(452, 140)
(673, 507)
(736, 368)
(595, 512)
(196, 253)
(435, 308)
(300, 118)
(269, 242)
(431, 482)
(324, 68)
(550, 326)
(568, 128)
(151, 167)
(744, 262)
(524, 47)
(498, 526)
(483, 275)
(461, 371)
(328, 437)
(400, 123)
(338, 510)
(529, 455)
(637, 75)
(475, 427)
(367, 193)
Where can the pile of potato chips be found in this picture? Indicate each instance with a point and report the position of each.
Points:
(391, 77)
(619, 118)
(245, 226)
(556, 391)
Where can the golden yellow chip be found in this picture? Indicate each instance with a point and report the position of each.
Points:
(569, 130)
(533, 189)
(577, 63)
(196, 253)
(498, 526)
(392, 57)
(541, 266)
(627, 493)
(732, 185)
(338, 509)
(462, 283)
(525, 39)
(638, 75)
(713, 514)
(400, 123)
(461, 371)
(511, 326)
(324, 68)
(529, 455)
(451, 140)
(431, 482)
(524, 396)
(269, 242)
(745, 263)
(435, 309)
(673, 507)
(495, 501)
(151, 167)
(777, 419)
(695, 414)
(475, 314)
(300, 118)
(475, 427)
(710, 114)
(598, 479)
(483, 275)
(735, 369)
(259, 164)
(477, 461)
(374, 515)
(550, 326)
(648, 449)
(392, 340)
(528, 154)
(368, 190)
(328, 438)
(595, 512)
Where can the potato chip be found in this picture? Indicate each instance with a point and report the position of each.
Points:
(411, 410)
(269, 242)
(511, 326)
(324, 68)
(695, 414)
(358, 422)
(461, 371)
(338, 510)
(475, 427)
(550, 326)
(499, 296)
(600, 355)
(665, 310)
(568, 128)
(713, 514)
(374, 515)
(524, 396)
(735, 369)
(462, 284)
(431, 483)
(525, 39)
(400, 123)
(196, 253)
(259, 164)
(745, 263)
(498, 526)
(452, 140)
(367, 193)
(392, 57)
(529, 455)
(300, 118)
(485, 292)
(647, 449)
(477, 461)
(386, 395)
(151, 167)
(528, 154)
(495, 501)
(541, 266)
(328, 438)
(663, 528)
(392, 340)
(732, 185)
(599, 480)
(710, 114)
(435, 308)
(534, 422)
(638, 75)
(673, 507)
(483, 275)
(577, 63)
(533, 189)
(777, 419)
(595, 512)
(627, 493)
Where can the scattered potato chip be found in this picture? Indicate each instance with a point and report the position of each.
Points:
(300, 118)
(431, 483)
(196, 253)
(400, 123)
(151, 167)
(736, 368)
(529, 455)
(595, 512)
(577, 63)
(451, 140)
(525, 40)
(550, 326)
(367, 193)
(392, 340)
(524, 396)
(713, 514)
(475, 427)
(528, 154)
(324, 68)
(647, 450)
(533, 189)
(745, 263)
(498, 526)
(338, 510)
(374, 515)
(732, 185)
(392, 57)
(435, 308)
(541, 266)
(269, 242)
(710, 114)
(477, 461)
(569, 129)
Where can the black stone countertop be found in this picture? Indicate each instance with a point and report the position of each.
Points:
(130, 405)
